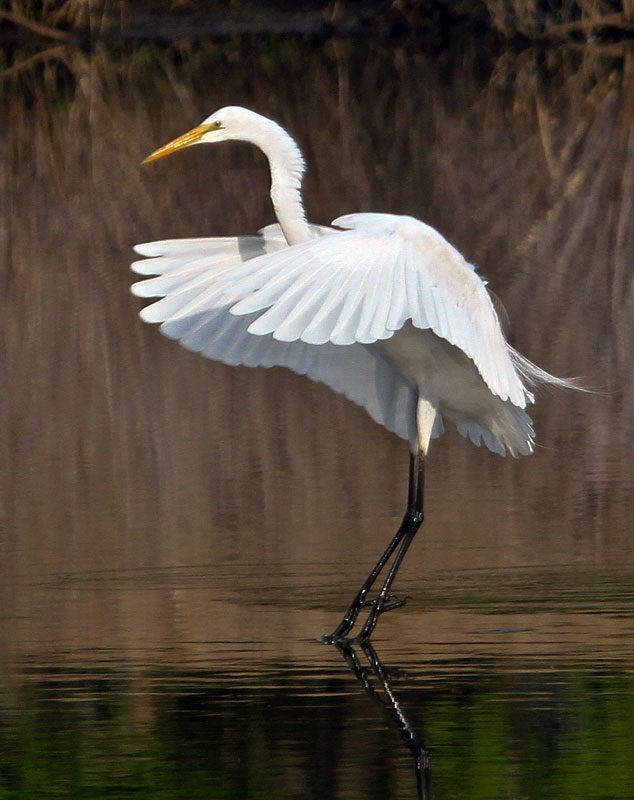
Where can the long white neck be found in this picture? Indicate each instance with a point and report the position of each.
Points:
(287, 168)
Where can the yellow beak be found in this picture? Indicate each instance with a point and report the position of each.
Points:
(191, 137)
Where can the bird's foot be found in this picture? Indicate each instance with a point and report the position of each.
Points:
(391, 602)
(336, 639)
(341, 634)
(342, 639)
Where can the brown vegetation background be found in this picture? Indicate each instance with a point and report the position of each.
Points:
(127, 459)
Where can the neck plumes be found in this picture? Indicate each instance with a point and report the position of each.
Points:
(287, 168)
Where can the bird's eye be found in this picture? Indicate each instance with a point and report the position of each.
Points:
(217, 124)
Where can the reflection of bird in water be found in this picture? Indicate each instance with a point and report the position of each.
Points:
(379, 307)
(391, 708)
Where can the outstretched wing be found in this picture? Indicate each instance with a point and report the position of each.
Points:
(190, 272)
(360, 285)
(188, 268)
(362, 376)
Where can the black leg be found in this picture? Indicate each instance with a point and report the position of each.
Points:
(402, 540)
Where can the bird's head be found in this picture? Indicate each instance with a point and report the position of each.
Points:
(229, 123)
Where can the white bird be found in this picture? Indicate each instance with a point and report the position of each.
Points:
(379, 307)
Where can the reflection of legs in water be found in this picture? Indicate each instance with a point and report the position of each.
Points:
(391, 709)
(401, 541)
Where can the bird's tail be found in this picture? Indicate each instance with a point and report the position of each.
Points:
(536, 376)
(506, 429)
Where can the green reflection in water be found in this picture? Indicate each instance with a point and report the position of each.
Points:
(541, 735)
(560, 733)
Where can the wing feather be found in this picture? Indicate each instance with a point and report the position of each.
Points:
(344, 329)
(417, 300)
(168, 306)
(357, 285)
(436, 289)
(398, 301)
(378, 326)
(377, 278)
(177, 280)
(354, 371)
(325, 318)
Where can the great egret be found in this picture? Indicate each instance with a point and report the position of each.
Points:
(379, 307)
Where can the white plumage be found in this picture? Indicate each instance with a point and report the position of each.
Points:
(185, 314)
(312, 307)
(379, 307)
